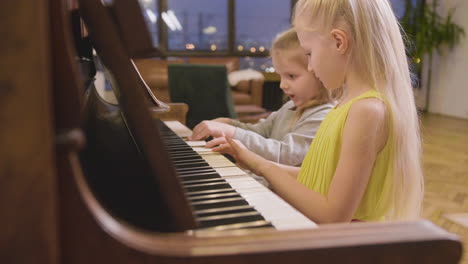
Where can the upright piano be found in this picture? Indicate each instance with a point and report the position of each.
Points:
(130, 189)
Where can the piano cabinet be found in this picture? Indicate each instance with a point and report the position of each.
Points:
(89, 234)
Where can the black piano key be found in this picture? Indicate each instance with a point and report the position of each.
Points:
(217, 191)
(206, 187)
(188, 157)
(229, 211)
(190, 182)
(231, 220)
(202, 164)
(196, 171)
(216, 197)
(219, 204)
(200, 177)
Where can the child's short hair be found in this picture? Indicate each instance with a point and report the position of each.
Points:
(286, 41)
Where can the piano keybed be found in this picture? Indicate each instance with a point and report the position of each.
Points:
(222, 195)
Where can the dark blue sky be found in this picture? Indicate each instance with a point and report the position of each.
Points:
(257, 21)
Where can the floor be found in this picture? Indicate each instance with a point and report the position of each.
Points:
(445, 161)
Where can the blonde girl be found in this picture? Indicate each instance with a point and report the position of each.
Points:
(364, 162)
(284, 136)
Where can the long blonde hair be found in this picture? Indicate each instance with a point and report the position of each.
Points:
(379, 53)
(288, 41)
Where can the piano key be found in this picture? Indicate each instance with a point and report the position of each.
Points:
(255, 224)
(212, 191)
(230, 171)
(224, 209)
(219, 203)
(178, 128)
(247, 217)
(196, 143)
(202, 149)
(214, 196)
(212, 180)
(206, 186)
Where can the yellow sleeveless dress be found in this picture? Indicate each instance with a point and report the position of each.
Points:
(320, 163)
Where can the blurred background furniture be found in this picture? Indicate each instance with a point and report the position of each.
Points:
(273, 96)
(204, 88)
(247, 95)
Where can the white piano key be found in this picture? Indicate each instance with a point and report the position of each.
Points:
(239, 178)
(229, 171)
(196, 143)
(178, 128)
(220, 164)
(288, 224)
(202, 149)
(245, 184)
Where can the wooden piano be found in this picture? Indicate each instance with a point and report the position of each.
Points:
(126, 188)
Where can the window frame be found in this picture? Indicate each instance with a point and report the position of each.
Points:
(231, 51)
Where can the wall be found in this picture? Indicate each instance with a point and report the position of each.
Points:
(449, 82)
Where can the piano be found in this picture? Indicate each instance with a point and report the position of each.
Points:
(131, 190)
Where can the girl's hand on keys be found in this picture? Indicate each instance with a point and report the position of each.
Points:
(238, 151)
(216, 142)
(211, 128)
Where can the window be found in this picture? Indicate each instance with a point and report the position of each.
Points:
(399, 7)
(244, 28)
(200, 25)
(150, 13)
(258, 22)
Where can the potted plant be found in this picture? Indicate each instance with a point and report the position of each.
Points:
(428, 31)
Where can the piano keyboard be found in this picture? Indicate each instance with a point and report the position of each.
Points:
(223, 196)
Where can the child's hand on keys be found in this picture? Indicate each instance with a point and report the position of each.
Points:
(211, 128)
(238, 151)
(215, 142)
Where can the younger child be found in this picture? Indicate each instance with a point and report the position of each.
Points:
(364, 162)
(285, 136)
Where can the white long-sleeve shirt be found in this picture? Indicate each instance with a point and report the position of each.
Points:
(275, 139)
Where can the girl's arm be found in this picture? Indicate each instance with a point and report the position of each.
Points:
(226, 126)
(212, 128)
(262, 128)
(364, 135)
(251, 157)
(291, 171)
(292, 147)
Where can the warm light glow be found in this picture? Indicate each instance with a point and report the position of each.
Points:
(240, 48)
(253, 49)
(210, 30)
(190, 46)
(417, 60)
(213, 47)
(261, 49)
